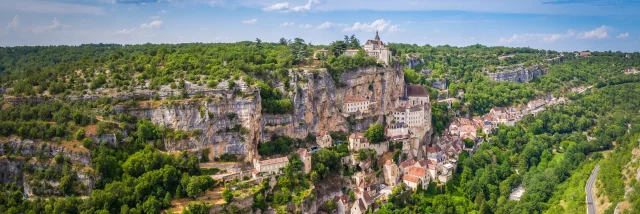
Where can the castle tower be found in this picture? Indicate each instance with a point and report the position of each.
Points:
(377, 36)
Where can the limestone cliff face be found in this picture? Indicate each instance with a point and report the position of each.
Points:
(318, 101)
(18, 147)
(11, 170)
(229, 123)
(517, 75)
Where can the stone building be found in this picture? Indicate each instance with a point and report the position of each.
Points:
(412, 116)
(391, 173)
(354, 104)
(377, 49)
(415, 95)
(397, 131)
(357, 141)
(271, 166)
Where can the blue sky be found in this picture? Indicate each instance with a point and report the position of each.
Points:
(565, 25)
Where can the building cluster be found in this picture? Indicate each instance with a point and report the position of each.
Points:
(373, 48)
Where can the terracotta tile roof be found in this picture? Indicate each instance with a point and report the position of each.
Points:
(407, 163)
(467, 128)
(416, 91)
(423, 163)
(410, 178)
(361, 205)
(274, 161)
(417, 171)
(354, 99)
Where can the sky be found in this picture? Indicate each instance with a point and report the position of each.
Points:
(563, 25)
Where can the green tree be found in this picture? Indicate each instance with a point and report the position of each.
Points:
(375, 133)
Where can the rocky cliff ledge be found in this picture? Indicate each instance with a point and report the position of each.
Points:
(517, 75)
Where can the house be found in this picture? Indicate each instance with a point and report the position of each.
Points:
(305, 157)
(397, 131)
(415, 177)
(468, 130)
(358, 207)
(354, 104)
(421, 174)
(584, 54)
(271, 166)
(630, 71)
(406, 164)
(376, 48)
(357, 141)
(416, 95)
(391, 173)
(433, 153)
(341, 203)
(460, 93)
(412, 116)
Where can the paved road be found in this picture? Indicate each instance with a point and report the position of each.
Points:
(591, 206)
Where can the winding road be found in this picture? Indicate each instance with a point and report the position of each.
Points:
(591, 207)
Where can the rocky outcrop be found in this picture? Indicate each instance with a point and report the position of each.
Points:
(520, 74)
(439, 84)
(16, 146)
(412, 61)
(11, 170)
(230, 123)
(318, 102)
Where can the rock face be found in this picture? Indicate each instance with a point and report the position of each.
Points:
(229, 123)
(318, 104)
(413, 61)
(18, 147)
(11, 170)
(439, 84)
(518, 75)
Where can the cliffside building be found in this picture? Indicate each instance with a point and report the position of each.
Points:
(354, 104)
(415, 95)
(412, 116)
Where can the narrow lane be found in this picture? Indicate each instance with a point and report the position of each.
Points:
(591, 206)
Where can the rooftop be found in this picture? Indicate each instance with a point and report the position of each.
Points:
(274, 161)
(417, 171)
(354, 99)
(410, 178)
(416, 91)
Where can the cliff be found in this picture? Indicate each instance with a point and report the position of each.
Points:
(519, 74)
(230, 123)
(318, 102)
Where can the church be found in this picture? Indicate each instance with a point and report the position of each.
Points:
(377, 49)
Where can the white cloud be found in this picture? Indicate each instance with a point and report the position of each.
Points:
(287, 24)
(162, 11)
(277, 6)
(155, 17)
(286, 7)
(125, 31)
(395, 28)
(155, 24)
(14, 23)
(325, 26)
(54, 27)
(250, 21)
(623, 35)
(32, 6)
(598, 33)
(378, 25)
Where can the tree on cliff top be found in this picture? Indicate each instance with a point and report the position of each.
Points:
(375, 133)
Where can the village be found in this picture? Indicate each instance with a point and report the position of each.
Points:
(419, 162)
